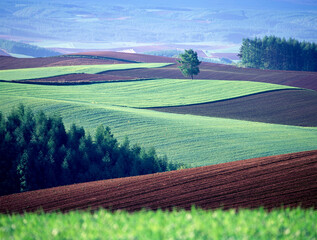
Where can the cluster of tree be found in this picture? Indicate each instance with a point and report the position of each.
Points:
(279, 54)
(37, 152)
(26, 49)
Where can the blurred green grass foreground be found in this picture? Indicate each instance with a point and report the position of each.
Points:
(177, 224)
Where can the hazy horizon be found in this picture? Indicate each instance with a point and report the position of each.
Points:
(110, 25)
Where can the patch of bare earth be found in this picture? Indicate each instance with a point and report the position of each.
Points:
(81, 78)
(209, 71)
(17, 63)
(129, 56)
(226, 72)
(271, 182)
(289, 107)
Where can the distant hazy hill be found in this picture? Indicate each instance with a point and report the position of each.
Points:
(229, 4)
(176, 21)
(25, 49)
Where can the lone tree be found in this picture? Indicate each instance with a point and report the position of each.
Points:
(189, 63)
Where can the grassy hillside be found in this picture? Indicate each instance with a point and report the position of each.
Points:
(189, 139)
(194, 224)
(32, 73)
(141, 94)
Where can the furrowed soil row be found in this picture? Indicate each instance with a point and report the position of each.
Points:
(203, 188)
(80, 78)
(270, 182)
(17, 63)
(130, 186)
(161, 179)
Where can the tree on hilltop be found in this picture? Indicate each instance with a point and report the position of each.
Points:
(189, 63)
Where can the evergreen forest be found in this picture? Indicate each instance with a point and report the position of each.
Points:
(36, 152)
(278, 54)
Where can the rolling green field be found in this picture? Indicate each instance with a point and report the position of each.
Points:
(194, 140)
(195, 224)
(142, 94)
(44, 72)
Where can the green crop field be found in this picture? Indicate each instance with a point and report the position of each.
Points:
(194, 140)
(195, 224)
(142, 94)
(44, 72)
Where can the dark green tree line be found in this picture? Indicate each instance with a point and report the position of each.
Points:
(279, 54)
(37, 152)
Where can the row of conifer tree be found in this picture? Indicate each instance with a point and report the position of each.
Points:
(276, 53)
(37, 152)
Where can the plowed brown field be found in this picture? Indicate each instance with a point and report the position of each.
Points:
(129, 56)
(288, 180)
(16, 63)
(289, 107)
(207, 70)
(81, 78)
(225, 72)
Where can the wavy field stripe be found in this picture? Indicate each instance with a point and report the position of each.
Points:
(194, 140)
(145, 94)
(44, 72)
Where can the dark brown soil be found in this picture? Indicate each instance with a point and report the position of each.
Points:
(129, 56)
(81, 78)
(271, 182)
(226, 72)
(289, 107)
(207, 70)
(16, 63)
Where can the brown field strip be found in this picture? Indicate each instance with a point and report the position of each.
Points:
(207, 70)
(129, 56)
(80, 78)
(225, 72)
(269, 182)
(289, 107)
(16, 63)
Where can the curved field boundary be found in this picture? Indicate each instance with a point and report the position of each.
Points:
(189, 139)
(224, 72)
(272, 182)
(80, 78)
(43, 72)
(149, 93)
(208, 70)
(100, 57)
(289, 107)
(18, 63)
(127, 56)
